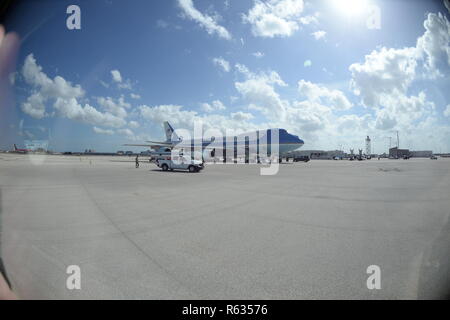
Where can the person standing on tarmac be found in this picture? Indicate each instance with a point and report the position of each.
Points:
(137, 161)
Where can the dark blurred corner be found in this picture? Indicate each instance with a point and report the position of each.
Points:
(2, 267)
(8, 55)
(6, 6)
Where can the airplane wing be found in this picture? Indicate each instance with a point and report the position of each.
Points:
(169, 145)
(162, 144)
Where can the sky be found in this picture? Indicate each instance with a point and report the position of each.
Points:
(331, 72)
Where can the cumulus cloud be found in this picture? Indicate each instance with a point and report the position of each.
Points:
(434, 44)
(103, 131)
(222, 63)
(181, 118)
(241, 115)
(274, 17)
(323, 95)
(64, 96)
(133, 124)
(384, 80)
(121, 83)
(384, 71)
(116, 107)
(116, 76)
(35, 106)
(135, 96)
(319, 34)
(209, 23)
(216, 105)
(126, 132)
(258, 90)
(71, 109)
(159, 114)
(46, 88)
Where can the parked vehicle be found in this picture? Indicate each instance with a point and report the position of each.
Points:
(180, 163)
(301, 158)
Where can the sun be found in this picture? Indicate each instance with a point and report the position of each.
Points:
(350, 7)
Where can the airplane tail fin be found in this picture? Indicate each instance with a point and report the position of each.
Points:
(15, 147)
(170, 133)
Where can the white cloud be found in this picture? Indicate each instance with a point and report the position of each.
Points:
(71, 109)
(126, 132)
(351, 123)
(434, 45)
(385, 71)
(241, 115)
(221, 62)
(216, 105)
(103, 131)
(386, 77)
(117, 77)
(133, 124)
(117, 108)
(309, 19)
(161, 113)
(258, 54)
(242, 69)
(65, 97)
(323, 95)
(121, 83)
(210, 24)
(135, 96)
(307, 63)
(259, 91)
(58, 87)
(44, 88)
(274, 18)
(184, 119)
(401, 111)
(319, 34)
(34, 106)
(447, 111)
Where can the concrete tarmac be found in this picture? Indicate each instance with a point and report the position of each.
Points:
(309, 232)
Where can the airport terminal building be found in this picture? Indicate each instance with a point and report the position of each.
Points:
(320, 154)
(396, 152)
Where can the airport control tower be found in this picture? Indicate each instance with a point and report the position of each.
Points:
(368, 146)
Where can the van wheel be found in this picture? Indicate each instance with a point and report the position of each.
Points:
(191, 169)
(164, 167)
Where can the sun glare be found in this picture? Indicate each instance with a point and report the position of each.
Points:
(350, 7)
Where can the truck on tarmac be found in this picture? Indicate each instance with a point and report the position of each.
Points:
(181, 162)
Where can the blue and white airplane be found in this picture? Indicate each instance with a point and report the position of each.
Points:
(257, 142)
